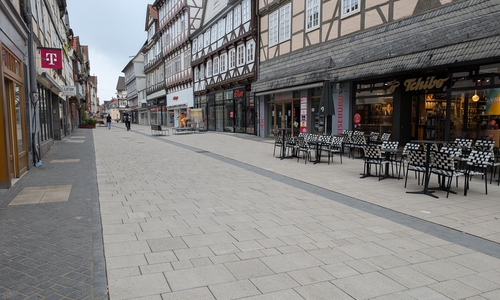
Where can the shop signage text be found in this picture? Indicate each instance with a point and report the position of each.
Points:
(69, 90)
(417, 84)
(340, 114)
(429, 83)
(238, 94)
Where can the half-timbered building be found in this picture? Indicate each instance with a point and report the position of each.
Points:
(224, 65)
(177, 20)
(153, 109)
(417, 69)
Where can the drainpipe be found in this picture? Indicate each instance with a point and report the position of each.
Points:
(33, 111)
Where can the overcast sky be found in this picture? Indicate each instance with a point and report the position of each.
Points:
(113, 30)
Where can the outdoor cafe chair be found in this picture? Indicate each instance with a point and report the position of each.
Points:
(302, 146)
(416, 163)
(373, 157)
(385, 137)
(391, 154)
(278, 142)
(290, 143)
(347, 141)
(477, 164)
(373, 137)
(444, 166)
(488, 145)
(404, 155)
(465, 144)
(358, 142)
(456, 153)
(335, 147)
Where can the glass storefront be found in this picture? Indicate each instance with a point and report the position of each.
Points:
(286, 112)
(373, 111)
(439, 104)
(230, 111)
(44, 106)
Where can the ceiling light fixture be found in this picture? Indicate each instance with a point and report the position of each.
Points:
(475, 98)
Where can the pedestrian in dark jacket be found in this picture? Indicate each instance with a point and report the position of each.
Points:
(108, 120)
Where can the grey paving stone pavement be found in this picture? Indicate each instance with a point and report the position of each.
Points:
(216, 216)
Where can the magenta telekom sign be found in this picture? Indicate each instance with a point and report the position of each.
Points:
(51, 58)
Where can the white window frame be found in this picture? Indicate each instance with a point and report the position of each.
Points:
(237, 16)
(240, 55)
(195, 46)
(285, 22)
(222, 27)
(245, 11)
(223, 63)
(229, 22)
(196, 74)
(273, 28)
(232, 58)
(350, 7)
(207, 38)
(313, 14)
(209, 69)
(215, 66)
(214, 33)
(200, 44)
(202, 72)
(250, 51)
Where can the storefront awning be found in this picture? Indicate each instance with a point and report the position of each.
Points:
(292, 88)
(47, 80)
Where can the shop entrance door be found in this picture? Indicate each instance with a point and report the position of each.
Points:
(16, 151)
(285, 115)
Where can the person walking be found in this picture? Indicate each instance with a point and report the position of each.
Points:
(108, 120)
(127, 118)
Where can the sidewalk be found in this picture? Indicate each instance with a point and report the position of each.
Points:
(51, 239)
(216, 216)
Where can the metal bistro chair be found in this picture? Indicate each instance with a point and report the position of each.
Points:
(278, 142)
(347, 141)
(477, 164)
(404, 155)
(465, 144)
(303, 146)
(456, 153)
(488, 145)
(373, 137)
(391, 156)
(359, 142)
(416, 163)
(373, 156)
(335, 147)
(385, 137)
(290, 143)
(444, 166)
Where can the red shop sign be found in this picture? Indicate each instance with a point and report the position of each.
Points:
(357, 118)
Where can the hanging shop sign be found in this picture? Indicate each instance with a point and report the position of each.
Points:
(238, 93)
(51, 58)
(69, 90)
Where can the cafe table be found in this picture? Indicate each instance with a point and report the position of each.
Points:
(319, 143)
(426, 190)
